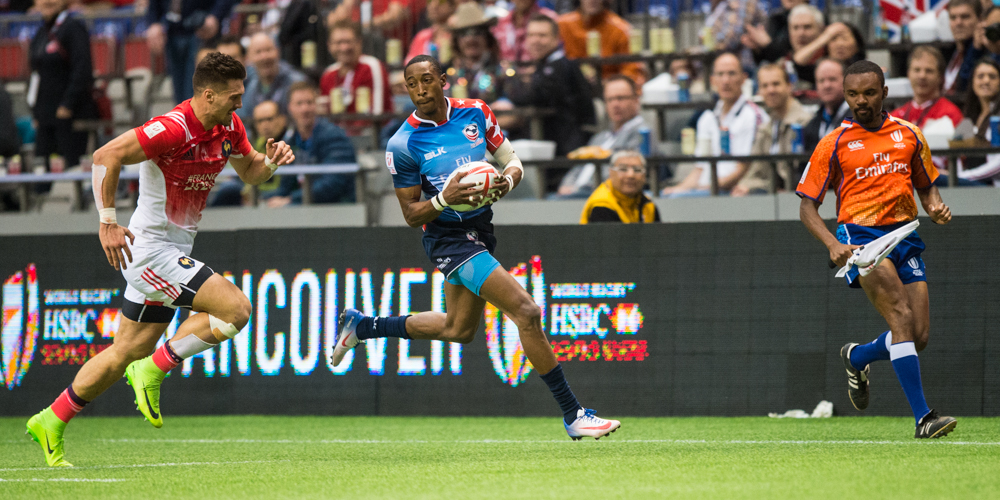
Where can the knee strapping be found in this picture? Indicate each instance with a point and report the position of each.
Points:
(228, 330)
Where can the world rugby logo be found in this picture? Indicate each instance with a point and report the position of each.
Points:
(471, 132)
(20, 328)
(502, 337)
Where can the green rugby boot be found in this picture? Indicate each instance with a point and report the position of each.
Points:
(145, 378)
(46, 429)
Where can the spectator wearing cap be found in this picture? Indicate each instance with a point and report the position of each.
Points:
(592, 15)
(963, 18)
(511, 29)
(354, 70)
(775, 137)
(429, 41)
(268, 77)
(475, 69)
(620, 198)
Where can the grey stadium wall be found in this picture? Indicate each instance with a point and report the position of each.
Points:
(739, 318)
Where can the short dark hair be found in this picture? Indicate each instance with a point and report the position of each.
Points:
(975, 5)
(989, 10)
(928, 50)
(231, 40)
(303, 85)
(351, 26)
(217, 70)
(775, 66)
(623, 78)
(542, 18)
(864, 67)
(435, 65)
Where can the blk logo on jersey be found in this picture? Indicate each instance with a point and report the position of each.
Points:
(471, 132)
(186, 262)
(434, 154)
(227, 148)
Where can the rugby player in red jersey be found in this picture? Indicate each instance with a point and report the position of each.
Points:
(181, 153)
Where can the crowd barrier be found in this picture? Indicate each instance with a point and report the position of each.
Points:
(676, 319)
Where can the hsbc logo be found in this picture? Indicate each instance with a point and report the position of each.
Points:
(20, 328)
(856, 146)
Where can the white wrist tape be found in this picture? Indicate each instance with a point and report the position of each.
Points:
(505, 156)
(108, 215)
(229, 330)
(270, 164)
(438, 202)
(510, 182)
(97, 181)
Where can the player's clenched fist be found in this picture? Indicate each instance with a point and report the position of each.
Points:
(839, 253)
(940, 213)
(279, 153)
(115, 247)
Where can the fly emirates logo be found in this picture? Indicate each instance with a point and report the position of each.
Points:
(882, 164)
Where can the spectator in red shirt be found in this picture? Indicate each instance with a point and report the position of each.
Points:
(354, 70)
(512, 29)
(926, 74)
(439, 34)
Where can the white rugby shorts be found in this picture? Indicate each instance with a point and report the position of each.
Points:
(160, 279)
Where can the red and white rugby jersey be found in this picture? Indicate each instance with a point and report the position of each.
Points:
(183, 161)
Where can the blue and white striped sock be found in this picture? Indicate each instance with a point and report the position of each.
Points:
(876, 350)
(907, 366)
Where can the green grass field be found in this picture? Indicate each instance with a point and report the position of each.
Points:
(383, 457)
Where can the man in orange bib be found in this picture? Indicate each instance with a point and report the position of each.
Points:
(874, 162)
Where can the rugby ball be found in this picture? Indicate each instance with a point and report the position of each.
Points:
(480, 174)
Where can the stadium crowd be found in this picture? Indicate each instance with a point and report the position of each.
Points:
(551, 69)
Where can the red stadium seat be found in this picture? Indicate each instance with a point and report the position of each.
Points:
(13, 60)
(137, 56)
(103, 53)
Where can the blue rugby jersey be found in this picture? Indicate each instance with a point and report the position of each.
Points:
(423, 153)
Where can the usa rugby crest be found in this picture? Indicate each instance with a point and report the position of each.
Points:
(471, 132)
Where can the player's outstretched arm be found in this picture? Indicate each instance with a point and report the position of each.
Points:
(809, 214)
(108, 161)
(257, 168)
(418, 213)
(930, 198)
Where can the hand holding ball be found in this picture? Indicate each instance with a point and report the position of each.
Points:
(480, 176)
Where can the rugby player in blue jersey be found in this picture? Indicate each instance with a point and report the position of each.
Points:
(442, 135)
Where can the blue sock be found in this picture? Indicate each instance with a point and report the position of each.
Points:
(877, 350)
(563, 394)
(907, 366)
(384, 326)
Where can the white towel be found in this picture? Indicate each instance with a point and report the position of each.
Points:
(867, 257)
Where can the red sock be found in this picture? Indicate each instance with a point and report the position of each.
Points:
(165, 358)
(68, 404)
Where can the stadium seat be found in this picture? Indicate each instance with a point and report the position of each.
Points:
(103, 53)
(13, 60)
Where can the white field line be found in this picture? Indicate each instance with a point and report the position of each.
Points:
(135, 466)
(531, 441)
(62, 479)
